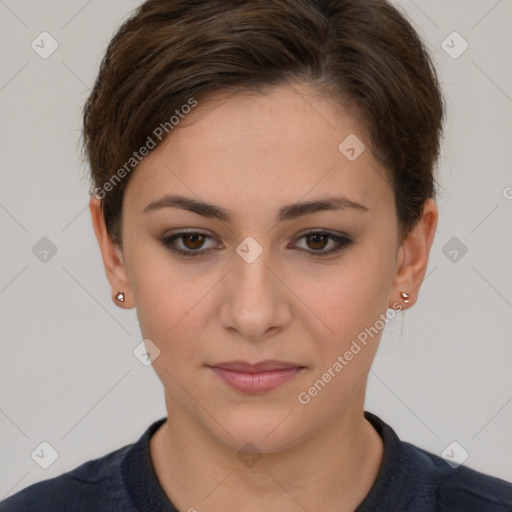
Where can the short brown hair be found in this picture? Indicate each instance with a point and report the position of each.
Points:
(363, 53)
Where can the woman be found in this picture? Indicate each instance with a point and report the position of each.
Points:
(263, 194)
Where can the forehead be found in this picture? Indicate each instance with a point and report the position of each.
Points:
(251, 149)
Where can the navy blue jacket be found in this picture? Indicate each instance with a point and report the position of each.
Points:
(410, 480)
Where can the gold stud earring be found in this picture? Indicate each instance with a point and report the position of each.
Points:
(405, 297)
(120, 297)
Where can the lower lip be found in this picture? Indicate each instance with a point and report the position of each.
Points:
(259, 382)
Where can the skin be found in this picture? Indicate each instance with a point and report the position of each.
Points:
(253, 154)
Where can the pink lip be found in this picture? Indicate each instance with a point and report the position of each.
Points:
(256, 378)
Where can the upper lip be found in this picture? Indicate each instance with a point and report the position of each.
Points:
(261, 366)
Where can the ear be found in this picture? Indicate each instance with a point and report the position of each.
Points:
(413, 255)
(112, 255)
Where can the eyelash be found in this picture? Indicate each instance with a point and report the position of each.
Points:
(343, 241)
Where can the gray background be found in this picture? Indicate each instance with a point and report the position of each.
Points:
(68, 374)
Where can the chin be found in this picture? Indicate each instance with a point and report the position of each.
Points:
(262, 428)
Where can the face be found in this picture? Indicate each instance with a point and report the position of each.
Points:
(255, 277)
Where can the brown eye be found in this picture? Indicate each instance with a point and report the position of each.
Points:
(188, 243)
(318, 241)
(193, 241)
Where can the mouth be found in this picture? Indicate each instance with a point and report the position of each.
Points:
(258, 377)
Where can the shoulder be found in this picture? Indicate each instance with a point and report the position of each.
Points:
(94, 485)
(458, 489)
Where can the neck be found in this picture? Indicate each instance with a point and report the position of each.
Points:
(335, 468)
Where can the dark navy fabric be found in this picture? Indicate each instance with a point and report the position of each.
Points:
(410, 480)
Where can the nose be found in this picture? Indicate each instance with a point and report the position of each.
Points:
(255, 300)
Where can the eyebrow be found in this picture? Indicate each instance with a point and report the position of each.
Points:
(287, 212)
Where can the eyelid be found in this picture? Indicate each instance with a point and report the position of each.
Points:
(321, 231)
(169, 238)
(341, 239)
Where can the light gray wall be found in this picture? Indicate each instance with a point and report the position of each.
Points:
(68, 375)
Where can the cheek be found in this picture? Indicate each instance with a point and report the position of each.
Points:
(173, 302)
(352, 302)
(163, 295)
(352, 296)
(353, 305)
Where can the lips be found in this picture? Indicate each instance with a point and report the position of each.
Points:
(258, 377)
(262, 366)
